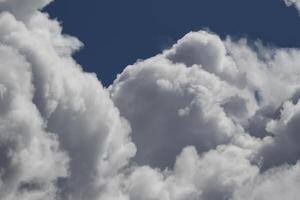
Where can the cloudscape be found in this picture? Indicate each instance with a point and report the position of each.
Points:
(209, 118)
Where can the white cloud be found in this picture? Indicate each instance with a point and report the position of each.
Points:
(214, 175)
(172, 103)
(171, 106)
(206, 119)
(278, 183)
(61, 99)
(284, 146)
(28, 153)
(184, 97)
(22, 9)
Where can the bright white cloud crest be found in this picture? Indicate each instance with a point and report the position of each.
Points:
(207, 119)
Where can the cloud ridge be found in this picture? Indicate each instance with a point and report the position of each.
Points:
(207, 119)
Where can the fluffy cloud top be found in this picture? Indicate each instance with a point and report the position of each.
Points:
(60, 132)
(207, 119)
(22, 9)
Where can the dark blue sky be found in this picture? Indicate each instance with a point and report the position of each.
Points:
(118, 32)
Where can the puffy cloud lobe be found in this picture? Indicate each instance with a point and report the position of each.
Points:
(89, 140)
(206, 50)
(206, 119)
(171, 106)
(28, 153)
(283, 147)
(181, 97)
(172, 103)
(22, 9)
(199, 49)
(213, 175)
(278, 183)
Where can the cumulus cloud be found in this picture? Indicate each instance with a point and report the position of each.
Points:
(22, 9)
(213, 175)
(172, 103)
(28, 152)
(171, 106)
(59, 127)
(278, 183)
(207, 119)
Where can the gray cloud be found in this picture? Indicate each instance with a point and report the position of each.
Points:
(23, 9)
(207, 119)
(178, 98)
(278, 183)
(88, 137)
(171, 106)
(214, 175)
(28, 152)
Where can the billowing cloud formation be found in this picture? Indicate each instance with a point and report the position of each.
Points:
(60, 132)
(173, 100)
(207, 119)
(278, 183)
